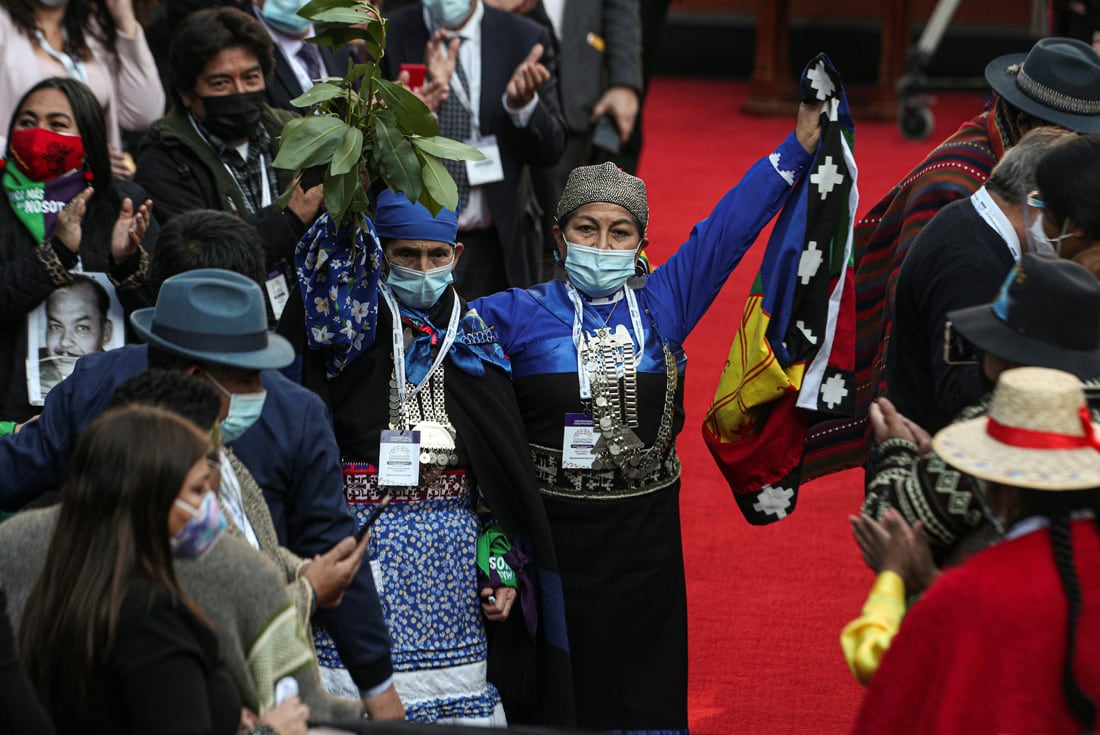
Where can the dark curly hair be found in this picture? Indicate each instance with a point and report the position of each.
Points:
(206, 33)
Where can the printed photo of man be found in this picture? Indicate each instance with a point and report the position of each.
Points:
(77, 322)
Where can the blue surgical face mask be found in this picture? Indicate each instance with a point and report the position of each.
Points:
(202, 531)
(419, 289)
(447, 13)
(598, 272)
(244, 410)
(283, 14)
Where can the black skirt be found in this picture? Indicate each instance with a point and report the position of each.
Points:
(622, 570)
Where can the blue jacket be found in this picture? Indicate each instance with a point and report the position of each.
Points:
(290, 450)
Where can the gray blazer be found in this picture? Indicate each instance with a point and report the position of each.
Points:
(584, 72)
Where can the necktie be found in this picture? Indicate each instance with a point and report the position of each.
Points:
(454, 122)
(308, 53)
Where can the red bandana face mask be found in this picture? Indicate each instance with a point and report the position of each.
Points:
(43, 154)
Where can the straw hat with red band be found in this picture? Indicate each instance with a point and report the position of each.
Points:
(1038, 434)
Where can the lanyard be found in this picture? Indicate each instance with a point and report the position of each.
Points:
(399, 343)
(265, 186)
(232, 500)
(988, 210)
(578, 332)
(73, 66)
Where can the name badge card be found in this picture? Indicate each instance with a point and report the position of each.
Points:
(277, 291)
(578, 443)
(399, 458)
(490, 170)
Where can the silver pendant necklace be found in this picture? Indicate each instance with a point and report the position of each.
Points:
(608, 374)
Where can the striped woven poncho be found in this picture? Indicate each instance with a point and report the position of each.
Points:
(953, 170)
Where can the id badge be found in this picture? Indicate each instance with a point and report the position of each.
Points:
(490, 170)
(399, 458)
(578, 442)
(277, 290)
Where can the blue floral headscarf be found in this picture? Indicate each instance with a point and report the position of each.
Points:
(338, 270)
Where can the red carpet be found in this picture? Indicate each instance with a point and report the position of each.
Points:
(766, 605)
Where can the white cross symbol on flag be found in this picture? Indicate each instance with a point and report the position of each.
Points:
(827, 177)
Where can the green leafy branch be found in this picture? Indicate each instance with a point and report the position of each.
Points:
(362, 128)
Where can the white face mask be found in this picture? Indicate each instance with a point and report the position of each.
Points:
(598, 272)
(1037, 240)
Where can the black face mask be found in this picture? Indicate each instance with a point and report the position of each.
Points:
(233, 116)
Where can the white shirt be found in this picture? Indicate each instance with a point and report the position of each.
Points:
(476, 215)
(555, 10)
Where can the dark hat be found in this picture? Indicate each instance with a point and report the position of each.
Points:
(1047, 314)
(214, 316)
(1057, 81)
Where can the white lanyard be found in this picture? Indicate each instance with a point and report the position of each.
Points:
(399, 343)
(232, 501)
(265, 187)
(578, 332)
(988, 210)
(73, 66)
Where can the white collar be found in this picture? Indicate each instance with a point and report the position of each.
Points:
(988, 210)
(1032, 524)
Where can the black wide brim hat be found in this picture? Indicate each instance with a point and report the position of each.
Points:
(1058, 81)
(213, 316)
(1046, 315)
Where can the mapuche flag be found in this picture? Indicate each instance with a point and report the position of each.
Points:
(792, 359)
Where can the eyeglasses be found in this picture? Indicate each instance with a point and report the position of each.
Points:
(1033, 200)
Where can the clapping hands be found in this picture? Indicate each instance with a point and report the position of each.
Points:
(894, 546)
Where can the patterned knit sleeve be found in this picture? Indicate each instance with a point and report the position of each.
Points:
(925, 489)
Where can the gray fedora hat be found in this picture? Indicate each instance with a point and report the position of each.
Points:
(1057, 81)
(214, 316)
(1046, 315)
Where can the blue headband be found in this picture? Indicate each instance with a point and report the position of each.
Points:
(396, 218)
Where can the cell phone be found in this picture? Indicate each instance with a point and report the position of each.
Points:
(416, 74)
(605, 135)
(375, 512)
(286, 688)
(957, 349)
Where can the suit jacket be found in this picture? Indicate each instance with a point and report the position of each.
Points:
(284, 85)
(506, 40)
(585, 71)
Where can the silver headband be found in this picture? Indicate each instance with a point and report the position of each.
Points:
(1052, 98)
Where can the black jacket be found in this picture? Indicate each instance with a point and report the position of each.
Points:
(182, 172)
(30, 271)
